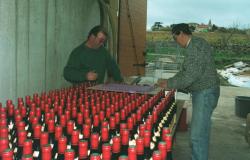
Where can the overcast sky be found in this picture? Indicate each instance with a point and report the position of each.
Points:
(226, 13)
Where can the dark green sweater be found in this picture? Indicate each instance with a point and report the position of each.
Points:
(84, 59)
(198, 70)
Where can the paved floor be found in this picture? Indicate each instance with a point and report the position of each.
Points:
(227, 137)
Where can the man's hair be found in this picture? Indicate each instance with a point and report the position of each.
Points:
(181, 27)
(95, 30)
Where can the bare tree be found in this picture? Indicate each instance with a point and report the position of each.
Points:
(226, 37)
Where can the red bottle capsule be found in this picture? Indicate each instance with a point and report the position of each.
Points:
(104, 134)
(4, 132)
(132, 152)
(70, 127)
(140, 145)
(75, 137)
(147, 138)
(116, 147)
(44, 138)
(51, 126)
(157, 155)
(117, 118)
(46, 152)
(106, 151)
(58, 132)
(7, 154)
(168, 139)
(37, 131)
(69, 154)
(79, 118)
(62, 145)
(95, 156)
(83, 149)
(4, 144)
(125, 137)
(163, 149)
(63, 120)
(22, 135)
(86, 131)
(27, 147)
(94, 143)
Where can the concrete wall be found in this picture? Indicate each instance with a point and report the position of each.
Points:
(36, 38)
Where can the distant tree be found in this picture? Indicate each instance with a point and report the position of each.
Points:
(192, 28)
(157, 26)
(214, 27)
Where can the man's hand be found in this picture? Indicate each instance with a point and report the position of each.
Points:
(91, 76)
(162, 83)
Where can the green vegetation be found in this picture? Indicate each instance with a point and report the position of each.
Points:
(229, 46)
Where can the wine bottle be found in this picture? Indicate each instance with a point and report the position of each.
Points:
(147, 140)
(124, 141)
(79, 121)
(58, 134)
(36, 140)
(162, 147)
(96, 124)
(70, 128)
(94, 143)
(62, 146)
(104, 135)
(112, 127)
(22, 135)
(75, 141)
(140, 148)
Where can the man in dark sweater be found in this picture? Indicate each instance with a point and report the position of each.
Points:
(91, 60)
(199, 77)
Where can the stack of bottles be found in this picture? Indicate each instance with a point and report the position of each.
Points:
(78, 123)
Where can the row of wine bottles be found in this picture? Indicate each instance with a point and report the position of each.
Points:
(78, 123)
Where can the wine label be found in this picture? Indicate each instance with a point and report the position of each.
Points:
(36, 154)
(26, 127)
(80, 136)
(152, 145)
(136, 136)
(29, 134)
(132, 142)
(15, 140)
(68, 146)
(15, 150)
(10, 126)
(43, 126)
(56, 155)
